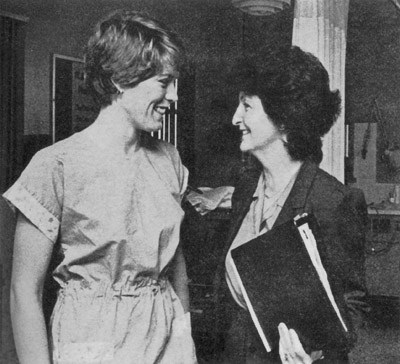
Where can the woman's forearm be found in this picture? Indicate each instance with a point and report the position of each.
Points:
(29, 329)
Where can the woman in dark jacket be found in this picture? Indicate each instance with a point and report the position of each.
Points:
(285, 108)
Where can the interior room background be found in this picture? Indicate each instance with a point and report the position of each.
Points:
(214, 32)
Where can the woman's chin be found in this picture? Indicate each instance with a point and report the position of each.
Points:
(244, 147)
(157, 126)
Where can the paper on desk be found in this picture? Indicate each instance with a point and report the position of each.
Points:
(211, 198)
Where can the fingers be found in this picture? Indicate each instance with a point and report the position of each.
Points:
(297, 347)
(291, 350)
(286, 350)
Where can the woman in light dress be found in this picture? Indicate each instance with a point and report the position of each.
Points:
(111, 195)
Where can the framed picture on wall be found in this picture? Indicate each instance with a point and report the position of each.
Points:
(73, 108)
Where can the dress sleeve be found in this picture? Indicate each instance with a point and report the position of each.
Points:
(183, 178)
(38, 193)
(181, 171)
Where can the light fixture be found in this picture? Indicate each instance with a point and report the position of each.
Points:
(260, 7)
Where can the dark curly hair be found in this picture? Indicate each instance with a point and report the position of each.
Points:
(294, 89)
(128, 47)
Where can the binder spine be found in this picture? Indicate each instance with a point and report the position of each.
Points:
(308, 238)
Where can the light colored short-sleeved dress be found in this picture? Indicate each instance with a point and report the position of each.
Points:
(118, 222)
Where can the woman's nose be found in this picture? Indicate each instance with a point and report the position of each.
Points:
(172, 93)
(237, 117)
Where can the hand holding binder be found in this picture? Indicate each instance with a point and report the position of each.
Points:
(283, 280)
(291, 350)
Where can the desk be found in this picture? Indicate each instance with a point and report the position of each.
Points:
(383, 250)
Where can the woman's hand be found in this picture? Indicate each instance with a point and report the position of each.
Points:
(290, 348)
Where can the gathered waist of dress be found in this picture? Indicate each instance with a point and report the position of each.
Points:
(137, 287)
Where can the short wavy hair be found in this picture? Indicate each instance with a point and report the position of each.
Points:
(293, 86)
(126, 48)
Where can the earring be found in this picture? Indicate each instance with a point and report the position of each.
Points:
(119, 91)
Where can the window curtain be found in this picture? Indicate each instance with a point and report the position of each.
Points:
(320, 27)
(12, 34)
(12, 38)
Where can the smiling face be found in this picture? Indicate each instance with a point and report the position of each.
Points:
(258, 131)
(146, 103)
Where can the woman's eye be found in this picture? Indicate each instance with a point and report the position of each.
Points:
(165, 82)
(246, 106)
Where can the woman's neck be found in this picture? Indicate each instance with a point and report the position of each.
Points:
(112, 129)
(278, 168)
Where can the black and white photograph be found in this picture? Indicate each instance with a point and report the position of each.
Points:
(199, 181)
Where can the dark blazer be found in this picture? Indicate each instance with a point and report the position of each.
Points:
(341, 212)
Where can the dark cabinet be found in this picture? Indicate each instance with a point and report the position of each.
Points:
(203, 240)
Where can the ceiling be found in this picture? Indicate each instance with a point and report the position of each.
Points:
(81, 8)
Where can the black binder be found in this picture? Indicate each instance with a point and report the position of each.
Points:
(280, 283)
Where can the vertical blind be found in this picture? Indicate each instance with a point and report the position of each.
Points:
(169, 130)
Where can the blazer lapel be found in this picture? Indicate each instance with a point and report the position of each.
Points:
(241, 201)
(296, 202)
